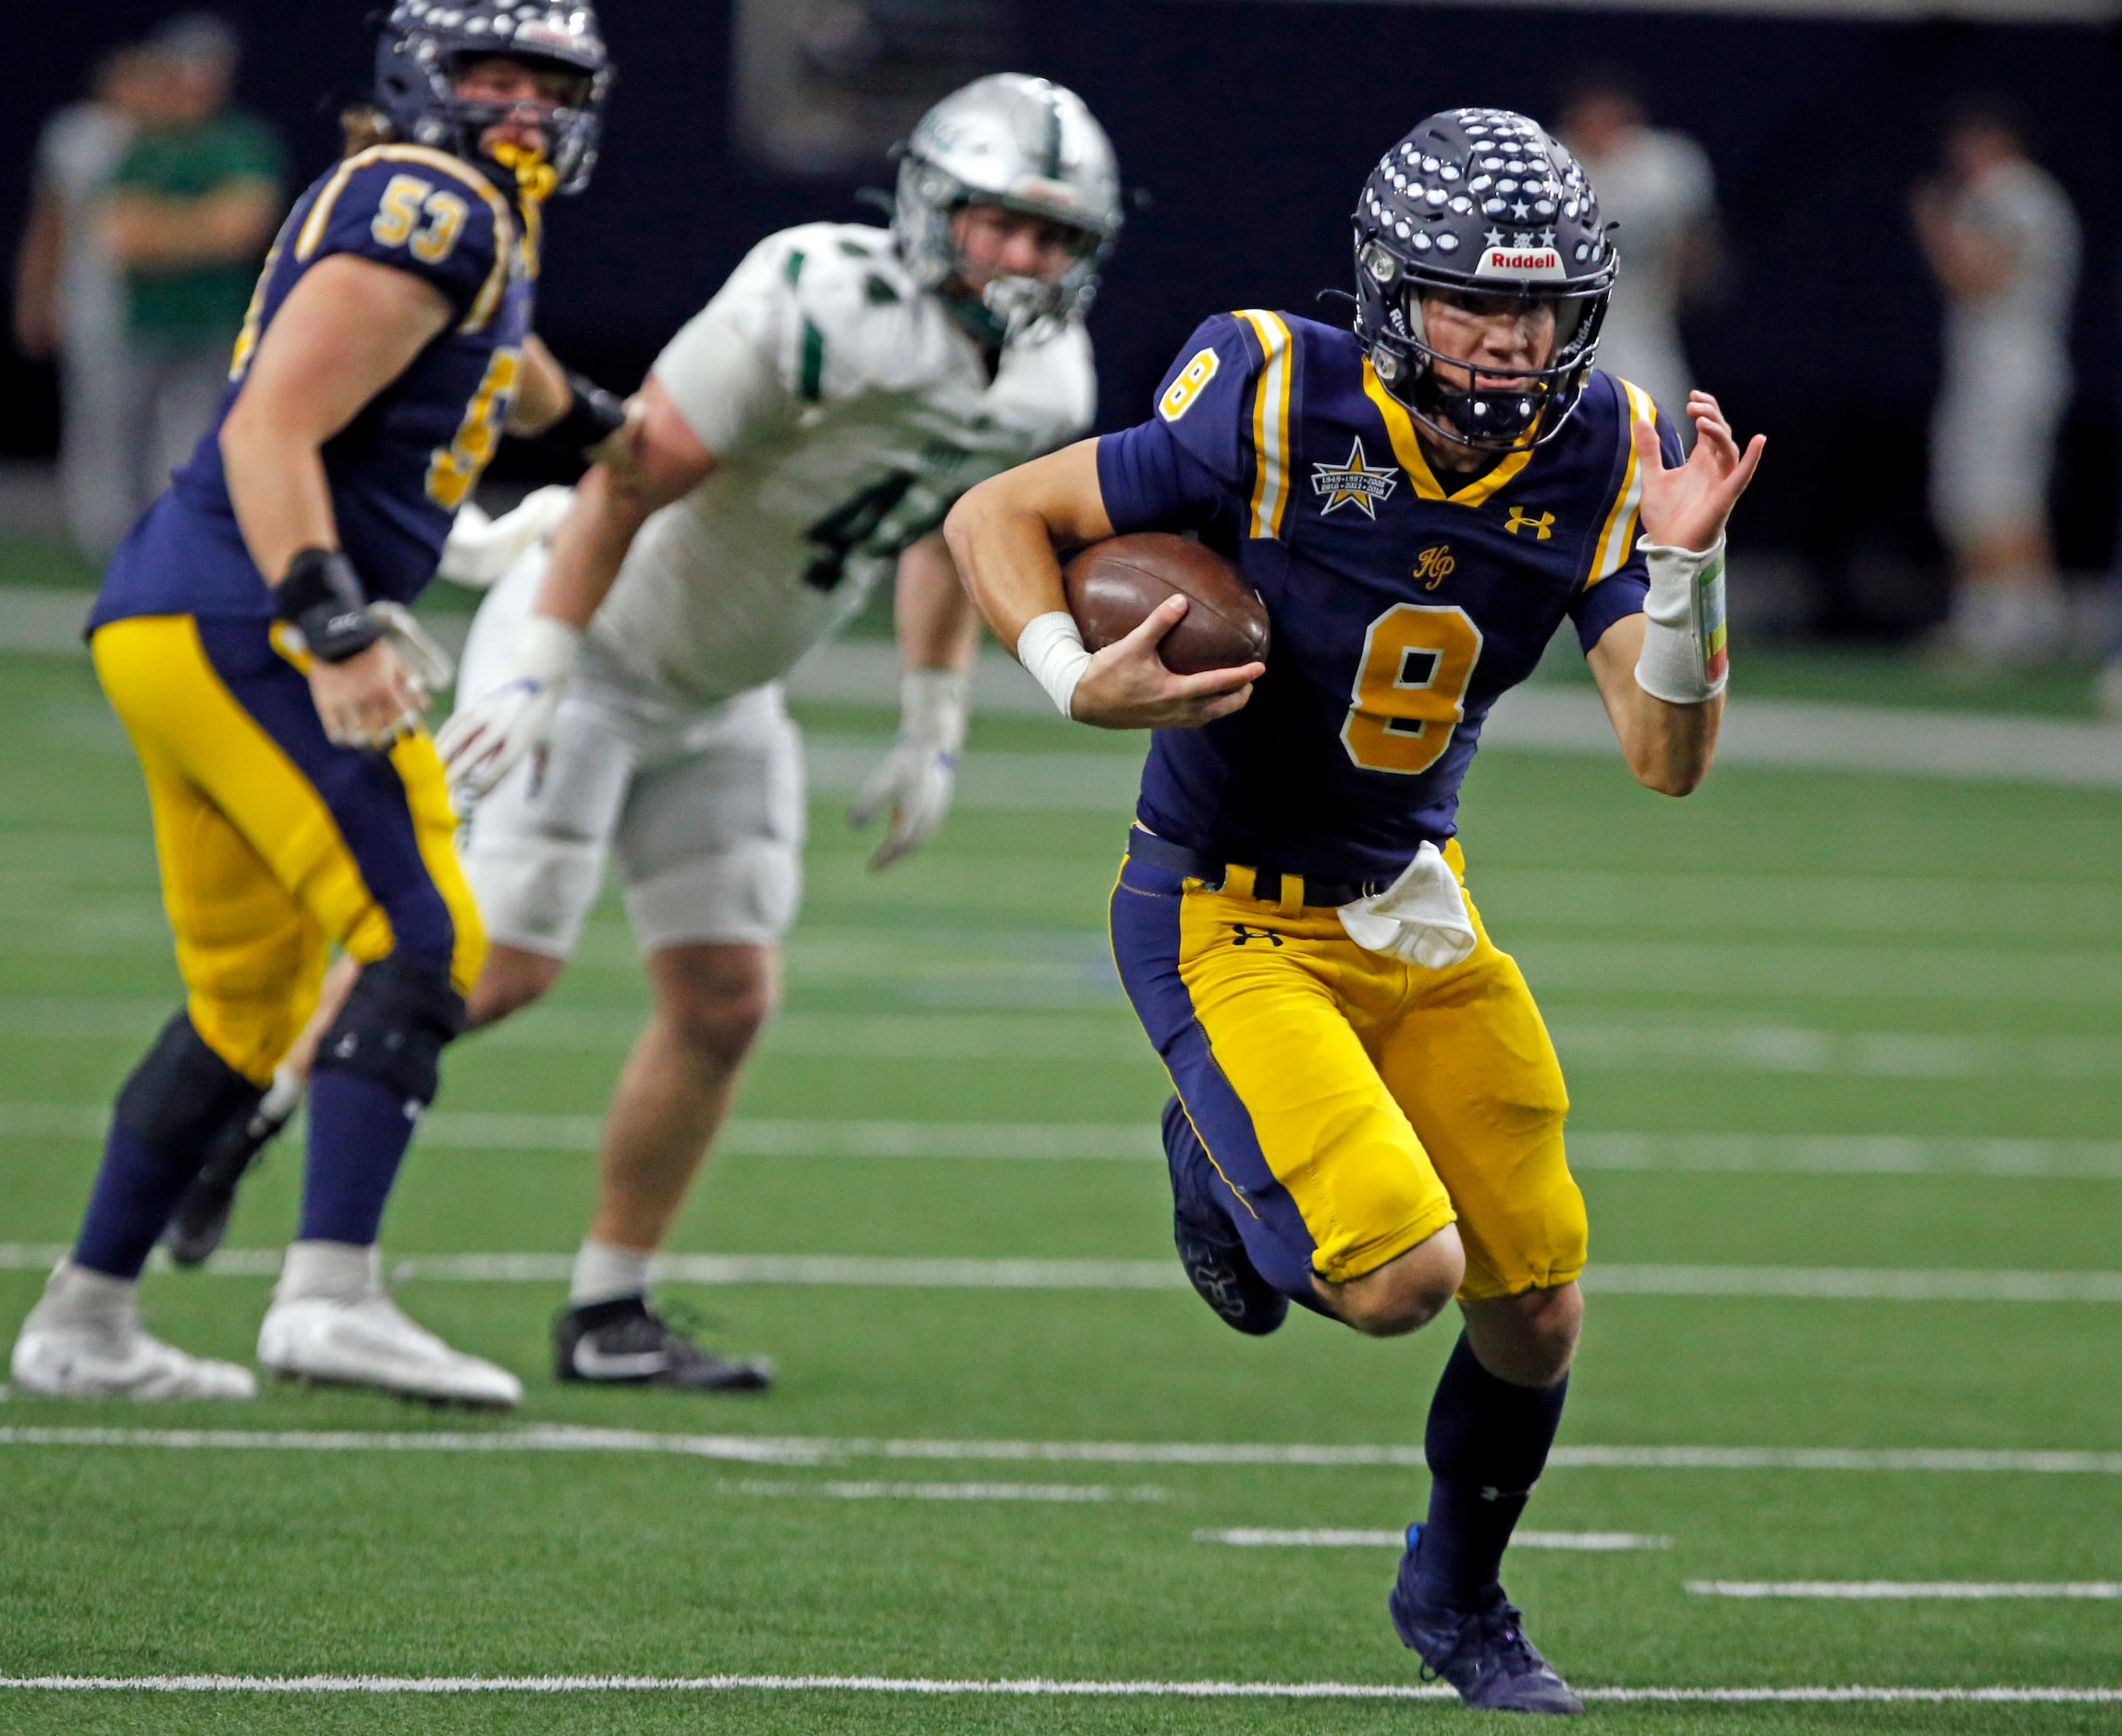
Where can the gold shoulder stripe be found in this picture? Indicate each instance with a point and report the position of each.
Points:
(1270, 422)
(489, 294)
(1618, 535)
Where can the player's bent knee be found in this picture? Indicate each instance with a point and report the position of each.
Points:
(398, 1017)
(1405, 1294)
(1528, 1340)
(715, 1001)
(182, 1091)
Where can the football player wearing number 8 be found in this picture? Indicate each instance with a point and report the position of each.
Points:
(804, 435)
(251, 636)
(1368, 1118)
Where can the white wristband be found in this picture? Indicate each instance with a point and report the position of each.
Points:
(932, 707)
(547, 651)
(1052, 648)
(1684, 660)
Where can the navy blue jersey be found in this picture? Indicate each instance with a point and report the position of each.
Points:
(1401, 604)
(400, 470)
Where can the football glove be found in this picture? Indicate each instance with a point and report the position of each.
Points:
(480, 744)
(481, 550)
(917, 776)
(1419, 919)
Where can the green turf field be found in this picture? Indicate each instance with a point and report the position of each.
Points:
(1876, 979)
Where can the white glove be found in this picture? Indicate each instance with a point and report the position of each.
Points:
(484, 740)
(480, 550)
(918, 774)
(1419, 919)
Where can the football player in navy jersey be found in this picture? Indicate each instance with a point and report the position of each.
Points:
(251, 634)
(1368, 1111)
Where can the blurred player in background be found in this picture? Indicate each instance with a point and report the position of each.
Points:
(2003, 239)
(1657, 185)
(1369, 1112)
(191, 205)
(803, 436)
(69, 302)
(275, 707)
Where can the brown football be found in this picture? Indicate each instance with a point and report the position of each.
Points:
(1113, 585)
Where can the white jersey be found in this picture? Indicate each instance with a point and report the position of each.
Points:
(1659, 188)
(847, 412)
(2017, 338)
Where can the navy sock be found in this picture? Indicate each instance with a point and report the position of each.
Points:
(1487, 1444)
(359, 1130)
(137, 1189)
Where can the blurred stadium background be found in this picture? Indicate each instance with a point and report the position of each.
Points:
(1856, 1255)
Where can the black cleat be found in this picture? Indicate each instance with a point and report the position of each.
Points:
(623, 1343)
(202, 1217)
(1210, 1249)
(1483, 1651)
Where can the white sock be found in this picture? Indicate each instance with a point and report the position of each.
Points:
(74, 1296)
(337, 1271)
(606, 1272)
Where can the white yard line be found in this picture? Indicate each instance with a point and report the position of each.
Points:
(1138, 1141)
(1065, 1493)
(1035, 1687)
(1869, 1589)
(811, 1451)
(1803, 1283)
(1257, 1537)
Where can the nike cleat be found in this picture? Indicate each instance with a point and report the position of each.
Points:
(202, 1217)
(625, 1343)
(1210, 1249)
(1483, 1653)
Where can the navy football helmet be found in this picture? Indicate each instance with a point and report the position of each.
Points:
(1481, 202)
(425, 41)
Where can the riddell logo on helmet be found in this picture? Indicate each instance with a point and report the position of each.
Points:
(1520, 262)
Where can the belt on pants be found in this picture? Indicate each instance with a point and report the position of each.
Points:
(1270, 885)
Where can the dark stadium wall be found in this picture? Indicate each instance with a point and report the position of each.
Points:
(1250, 126)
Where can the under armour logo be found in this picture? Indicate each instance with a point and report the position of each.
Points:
(1242, 934)
(1542, 524)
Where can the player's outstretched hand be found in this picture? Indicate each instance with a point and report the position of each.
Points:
(1127, 686)
(370, 701)
(480, 744)
(1686, 508)
(914, 783)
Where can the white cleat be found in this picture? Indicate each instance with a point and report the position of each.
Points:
(83, 1339)
(332, 1321)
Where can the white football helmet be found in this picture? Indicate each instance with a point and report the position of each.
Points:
(1028, 145)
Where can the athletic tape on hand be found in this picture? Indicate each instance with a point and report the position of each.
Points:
(1685, 659)
(1050, 647)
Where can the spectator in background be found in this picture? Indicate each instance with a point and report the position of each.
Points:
(1658, 186)
(2003, 242)
(69, 298)
(191, 205)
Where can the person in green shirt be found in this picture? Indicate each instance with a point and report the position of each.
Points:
(192, 205)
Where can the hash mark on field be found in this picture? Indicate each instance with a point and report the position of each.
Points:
(1887, 1588)
(811, 1451)
(1255, 1538)
(1035, 1687)
(1091, 1493)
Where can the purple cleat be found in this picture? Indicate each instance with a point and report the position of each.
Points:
(1483, 1653)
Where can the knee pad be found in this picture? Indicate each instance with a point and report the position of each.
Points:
(182, 1091)
(395, 1024)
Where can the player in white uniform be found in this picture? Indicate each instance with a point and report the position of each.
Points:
(802, 435)
(2004, 241)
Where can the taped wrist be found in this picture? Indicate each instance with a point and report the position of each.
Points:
(1685, 659)
(1052, 648)
(547, 651)
(322, 598)
(592, 417)
(402, 1014)
(932, 708)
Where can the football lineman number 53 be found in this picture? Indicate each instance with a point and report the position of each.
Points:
(1410, 692)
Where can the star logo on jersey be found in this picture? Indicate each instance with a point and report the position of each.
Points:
(1542, 524)
(1354, 481)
